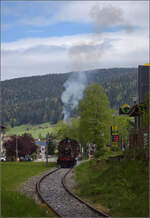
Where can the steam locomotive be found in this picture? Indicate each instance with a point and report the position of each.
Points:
(68, 150)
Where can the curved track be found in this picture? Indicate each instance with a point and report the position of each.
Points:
(53, 191)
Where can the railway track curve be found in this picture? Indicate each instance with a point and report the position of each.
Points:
(53, 191)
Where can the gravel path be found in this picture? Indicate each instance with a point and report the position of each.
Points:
(29, 187)
(60, 200)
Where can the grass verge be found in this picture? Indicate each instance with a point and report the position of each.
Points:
(117, 188)
(13, 203)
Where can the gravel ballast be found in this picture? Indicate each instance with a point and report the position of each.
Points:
(60, 200)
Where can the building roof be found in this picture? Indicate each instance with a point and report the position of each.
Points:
(39, 143)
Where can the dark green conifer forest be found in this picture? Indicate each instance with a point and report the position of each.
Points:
(37, 99)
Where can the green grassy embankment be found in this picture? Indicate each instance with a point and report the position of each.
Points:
(13, 203)
(109, 152)
(117, 188)
(36, 131)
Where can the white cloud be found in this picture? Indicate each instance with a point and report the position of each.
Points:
(133, 13)
(41, 56)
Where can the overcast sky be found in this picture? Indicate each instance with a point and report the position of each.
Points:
(42, 37)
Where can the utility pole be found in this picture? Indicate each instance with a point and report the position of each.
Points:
(122, 139)
(46, 149)
(16, 149)
(113, 118)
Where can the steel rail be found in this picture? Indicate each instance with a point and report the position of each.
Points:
(82, 201)
(40, 194)
(68, 190)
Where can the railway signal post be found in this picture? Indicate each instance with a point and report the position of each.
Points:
(114, 133)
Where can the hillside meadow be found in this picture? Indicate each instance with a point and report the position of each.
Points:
(37, 131)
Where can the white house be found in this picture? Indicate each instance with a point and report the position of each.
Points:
(2, 135)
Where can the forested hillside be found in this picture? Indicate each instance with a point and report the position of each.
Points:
(38, 99)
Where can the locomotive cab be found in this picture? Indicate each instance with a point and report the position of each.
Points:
(68, 151)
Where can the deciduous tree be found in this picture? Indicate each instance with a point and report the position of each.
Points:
(95, 117)
(24, 144)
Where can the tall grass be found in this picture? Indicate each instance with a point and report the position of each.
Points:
(123, 187)
(15, 204)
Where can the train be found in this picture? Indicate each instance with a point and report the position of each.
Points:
(68, 151)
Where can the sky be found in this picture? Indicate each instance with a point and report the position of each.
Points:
(44, 37)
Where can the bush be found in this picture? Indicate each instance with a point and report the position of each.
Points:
(99, 152)
(114, 148)
(138, 153)
(34, 155)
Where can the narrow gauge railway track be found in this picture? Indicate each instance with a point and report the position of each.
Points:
(52, 190)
